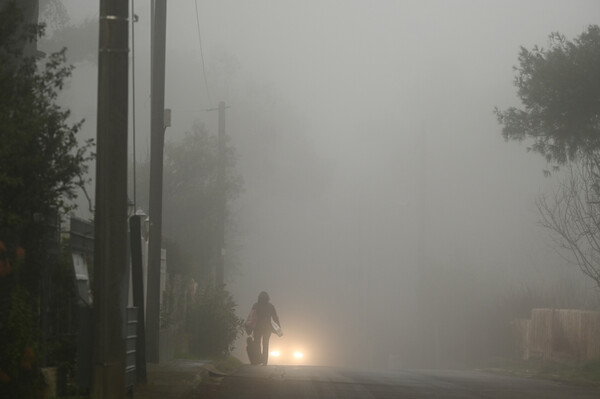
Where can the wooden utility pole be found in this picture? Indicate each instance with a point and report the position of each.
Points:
(157, 137)
(110, 252)
(427, 314)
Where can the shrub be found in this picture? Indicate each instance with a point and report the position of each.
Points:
(212, 323)
(20, 375)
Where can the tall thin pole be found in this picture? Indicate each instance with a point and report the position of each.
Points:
(220, 264)
(137, 285)
(157, 135)
(428, 328)
(221, 197)
(110, 252)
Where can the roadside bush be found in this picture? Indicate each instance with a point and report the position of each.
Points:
(20, 375)
(212, 323)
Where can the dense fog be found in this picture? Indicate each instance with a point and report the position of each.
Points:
(382, 210)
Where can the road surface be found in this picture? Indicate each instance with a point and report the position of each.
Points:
(327, 382)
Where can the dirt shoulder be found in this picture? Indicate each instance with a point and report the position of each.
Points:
(184, 378)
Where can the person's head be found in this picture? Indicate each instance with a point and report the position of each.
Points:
(263, 297)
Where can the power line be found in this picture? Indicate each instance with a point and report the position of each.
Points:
(202, 52)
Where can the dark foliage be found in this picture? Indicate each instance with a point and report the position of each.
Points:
(41, 167)
(41, 164)
(212, 323)
(560, 91)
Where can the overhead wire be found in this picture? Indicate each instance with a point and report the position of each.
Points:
(202, 52)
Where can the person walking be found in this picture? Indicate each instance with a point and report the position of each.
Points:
(265, 312)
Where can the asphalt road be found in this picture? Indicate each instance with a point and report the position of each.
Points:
(327, 382)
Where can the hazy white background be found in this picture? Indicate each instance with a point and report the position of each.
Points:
(348, 116)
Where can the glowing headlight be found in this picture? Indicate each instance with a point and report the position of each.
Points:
(275, 353)
(298, 355)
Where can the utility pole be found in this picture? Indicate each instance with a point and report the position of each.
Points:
(428, 323)
(221, 198)
(157, 137)
(220, 265)
(110, 251)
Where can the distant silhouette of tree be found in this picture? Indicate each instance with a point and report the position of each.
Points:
(190, 200)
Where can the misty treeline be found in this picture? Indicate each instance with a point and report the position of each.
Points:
(559, 87)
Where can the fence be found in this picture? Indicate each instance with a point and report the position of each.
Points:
(559, 333)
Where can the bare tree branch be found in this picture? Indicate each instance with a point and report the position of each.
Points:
(573, 215)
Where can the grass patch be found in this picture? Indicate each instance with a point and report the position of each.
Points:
(570, 371)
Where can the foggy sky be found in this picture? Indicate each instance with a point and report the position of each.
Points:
(330, 101)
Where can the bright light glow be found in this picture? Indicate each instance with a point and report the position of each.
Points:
(298, 355)
(275, 353)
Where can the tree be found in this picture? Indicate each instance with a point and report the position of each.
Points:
(41, 166)
(26, 12)
(190, 200)
(572, 213)
(212, 322)
(560, 90)
(41, 163)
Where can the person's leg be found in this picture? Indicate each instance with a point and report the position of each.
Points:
(257, 347)
(265, 345)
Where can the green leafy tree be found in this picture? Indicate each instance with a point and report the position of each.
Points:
(41, 163)
(560, 91)
(41, 166)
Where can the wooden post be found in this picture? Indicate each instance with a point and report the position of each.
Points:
(110, 253)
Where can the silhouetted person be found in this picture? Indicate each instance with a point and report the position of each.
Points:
(265, 311)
